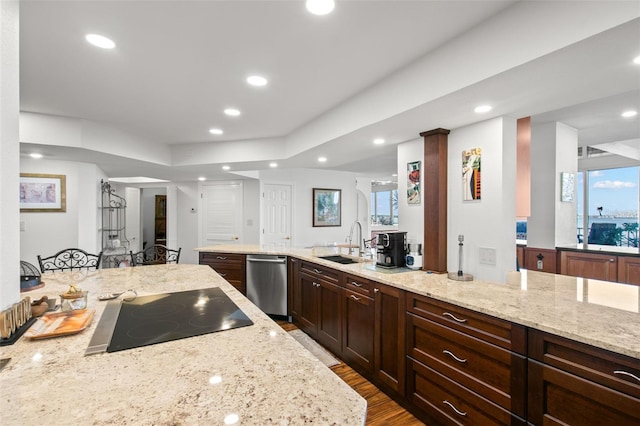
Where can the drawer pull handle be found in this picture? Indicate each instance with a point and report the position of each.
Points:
(317, 271)
(624, 373)
(316, 285)
(375, 290)
(448, 314)
(222, 275)
(452, 355)
(356, 284)
(355, 297)
(221, 257)
(461, 413)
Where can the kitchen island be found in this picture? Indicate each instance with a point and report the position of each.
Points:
(254, 375)
(598, 313)
(539, 348)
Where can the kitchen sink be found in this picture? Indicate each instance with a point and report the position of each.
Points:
(339, 259)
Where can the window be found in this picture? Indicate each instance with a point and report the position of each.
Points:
(611, 206)
(384, 204)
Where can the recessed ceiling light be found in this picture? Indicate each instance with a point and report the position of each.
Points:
(201, 178)
(216, 131)
(629, 114)
(394, 175)
(483, 108)
(226, 167)
(636, 60)
(232, 112)
(257, 80)
(320, 7)
(35, 155)
(100, 41)
(273, 165)
(322, 159)
(378, 141)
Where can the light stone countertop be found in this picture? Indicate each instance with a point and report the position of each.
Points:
(266, 377)
(599, 313)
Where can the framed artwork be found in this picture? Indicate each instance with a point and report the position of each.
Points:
(413, 182)
(568, 184)
(471, 187)
(326, 207)
(42, 193)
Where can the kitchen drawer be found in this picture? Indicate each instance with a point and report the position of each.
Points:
(230, 274)
(558, 397)
(450, 403)
(229, 260)
(484, 327)
(491, 371)
(358, 284)
(320, 271)
(609, 369)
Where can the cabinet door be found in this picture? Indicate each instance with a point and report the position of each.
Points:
(629, 269)
(389, 335)
(557, 397)
(294, 300)
(330, 316)
(308, 313)
(359, 317)
(589, 265)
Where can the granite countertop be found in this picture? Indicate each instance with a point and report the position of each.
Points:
(259, 372)
(599, 313)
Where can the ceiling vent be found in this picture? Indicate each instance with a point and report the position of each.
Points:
(591, 152)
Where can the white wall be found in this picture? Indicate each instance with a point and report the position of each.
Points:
(490, 221)
(48, 233)
(303, 181)
(9, 159)
(410, 216)
(554, 148)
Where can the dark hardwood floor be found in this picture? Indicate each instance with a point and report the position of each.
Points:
(381, 410)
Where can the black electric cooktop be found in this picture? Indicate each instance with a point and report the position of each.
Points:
(158, 318)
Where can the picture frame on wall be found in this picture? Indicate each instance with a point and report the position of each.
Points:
(471, 171)
(43, 193)
(413, 182)
(567, 185)
(327, 209)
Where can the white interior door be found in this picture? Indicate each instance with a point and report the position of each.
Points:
(221, 213)
(276, 222)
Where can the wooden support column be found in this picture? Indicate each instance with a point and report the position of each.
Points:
(434, 256)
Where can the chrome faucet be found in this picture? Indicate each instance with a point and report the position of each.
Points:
(360, 240)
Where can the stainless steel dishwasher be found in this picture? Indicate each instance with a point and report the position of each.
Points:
(267, 283)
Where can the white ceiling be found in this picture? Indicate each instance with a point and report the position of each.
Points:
(178, 64)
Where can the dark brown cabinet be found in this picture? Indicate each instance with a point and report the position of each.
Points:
(320, 314)
(464, 367)
(160, 230)
(230, 266)
(577, 384)
(589, 265)
(358, 331)
(629, 269)
(389, 335)
(293, 283)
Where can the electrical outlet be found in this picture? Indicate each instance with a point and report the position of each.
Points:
(23, 225)
(487, 256)
(540, 264)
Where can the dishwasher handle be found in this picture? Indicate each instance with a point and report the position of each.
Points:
(267, 260)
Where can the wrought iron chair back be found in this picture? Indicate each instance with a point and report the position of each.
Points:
(70, 259)
(156, 254)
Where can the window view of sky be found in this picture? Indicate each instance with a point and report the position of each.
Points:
(612, 192)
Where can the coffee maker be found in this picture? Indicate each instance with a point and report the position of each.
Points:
(391, 249)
